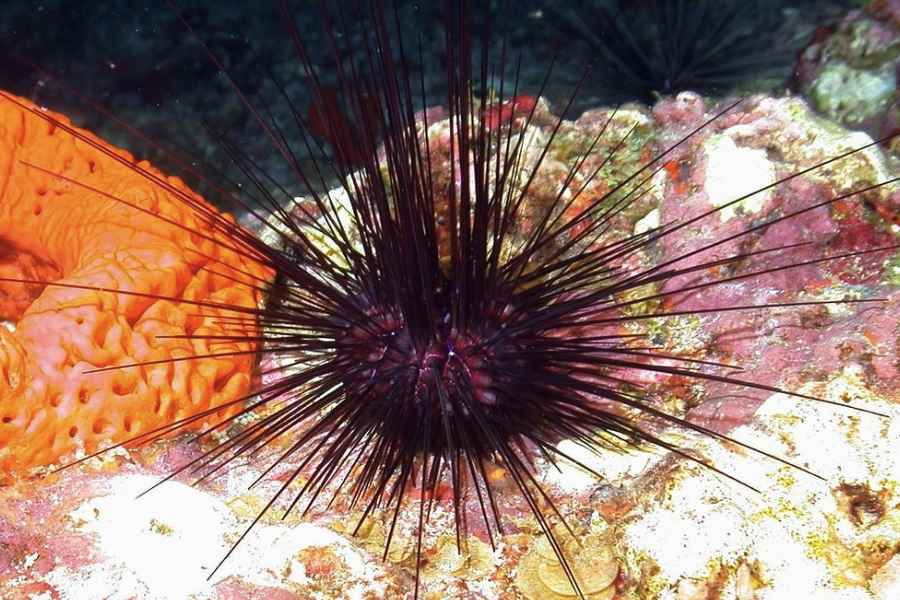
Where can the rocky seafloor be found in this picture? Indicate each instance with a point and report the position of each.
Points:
(655, 525)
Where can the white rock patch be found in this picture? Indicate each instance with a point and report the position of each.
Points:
(164, 544)
(733, 172)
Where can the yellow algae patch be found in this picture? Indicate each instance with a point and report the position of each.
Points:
(542, 577)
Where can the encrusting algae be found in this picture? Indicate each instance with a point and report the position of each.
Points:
(61, 382)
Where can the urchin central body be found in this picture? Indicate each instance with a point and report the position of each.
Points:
(441, 367)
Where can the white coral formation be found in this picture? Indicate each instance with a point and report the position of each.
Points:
(800, 536)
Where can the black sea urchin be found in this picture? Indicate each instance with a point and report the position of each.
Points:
(643, 50)
(447, 311)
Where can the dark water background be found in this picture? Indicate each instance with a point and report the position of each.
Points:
(137, 61)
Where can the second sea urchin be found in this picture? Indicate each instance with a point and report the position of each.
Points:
(642, 51)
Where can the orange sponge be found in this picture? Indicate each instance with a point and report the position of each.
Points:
(113, 229)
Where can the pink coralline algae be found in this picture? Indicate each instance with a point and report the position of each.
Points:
(798, 344)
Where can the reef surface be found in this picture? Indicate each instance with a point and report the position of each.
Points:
(656, 526)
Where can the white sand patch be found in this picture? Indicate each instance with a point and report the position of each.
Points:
(166, 543)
